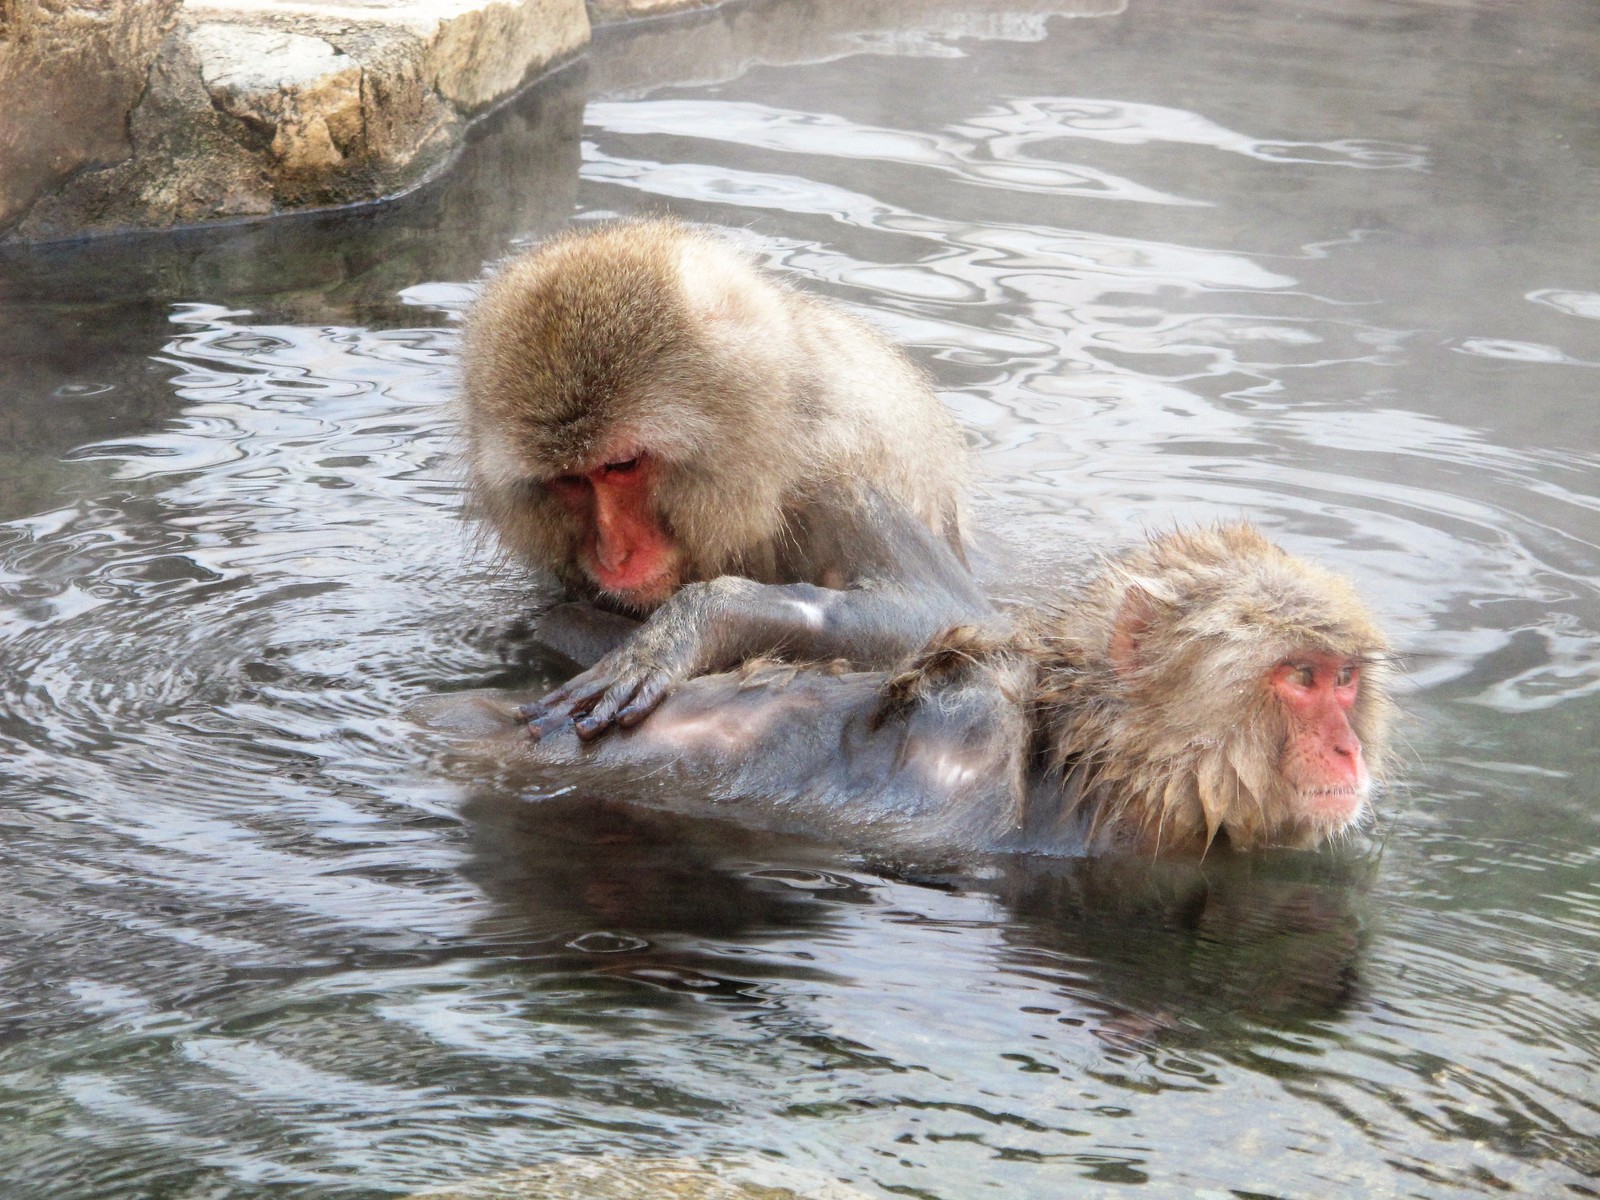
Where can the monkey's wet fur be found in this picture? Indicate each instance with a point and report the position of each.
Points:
(1204, 690)
(677, 434)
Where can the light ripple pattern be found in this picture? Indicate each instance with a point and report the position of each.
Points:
(1331, 267)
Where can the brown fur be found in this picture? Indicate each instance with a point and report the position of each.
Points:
(947, 654)
(1151, 699)
(755, 400)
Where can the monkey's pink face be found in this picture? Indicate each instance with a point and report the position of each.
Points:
(1322, 761)
(624, 548)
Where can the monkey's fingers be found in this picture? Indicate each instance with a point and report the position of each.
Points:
(604, 714)
(542, 725)
(646, 699)
(574, 697)
(542, 712)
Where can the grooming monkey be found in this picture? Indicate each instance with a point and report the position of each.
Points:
(679, 436)
(1206, 688)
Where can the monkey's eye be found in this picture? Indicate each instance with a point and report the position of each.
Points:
(623, 467)
(1347, 676)
(1304, 674)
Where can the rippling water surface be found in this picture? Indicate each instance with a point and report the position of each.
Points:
(1333, 266)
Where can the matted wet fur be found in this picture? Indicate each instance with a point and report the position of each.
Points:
(1136, 712)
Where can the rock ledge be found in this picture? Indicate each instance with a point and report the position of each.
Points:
(138, 114)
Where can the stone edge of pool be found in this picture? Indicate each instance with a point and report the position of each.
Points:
(125, 115)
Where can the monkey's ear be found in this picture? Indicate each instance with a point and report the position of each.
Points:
(1134, 617)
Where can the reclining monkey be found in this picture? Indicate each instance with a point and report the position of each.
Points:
(1205, 688)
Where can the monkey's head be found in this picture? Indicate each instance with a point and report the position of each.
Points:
(1223, 688)
(630, 416)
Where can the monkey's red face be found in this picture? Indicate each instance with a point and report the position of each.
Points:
(1322, 756)
(625, 550)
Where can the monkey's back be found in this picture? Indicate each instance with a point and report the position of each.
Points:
(882, 417)
(791, 749)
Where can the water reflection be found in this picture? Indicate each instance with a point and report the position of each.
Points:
(255, 943)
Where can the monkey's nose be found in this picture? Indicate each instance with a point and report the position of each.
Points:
(611, 553)
(1347, 763)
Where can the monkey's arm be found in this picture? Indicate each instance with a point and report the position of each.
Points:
(582, 633)
(901, 585)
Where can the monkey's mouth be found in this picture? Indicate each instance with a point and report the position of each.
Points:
(638, 588)
(1333, 807)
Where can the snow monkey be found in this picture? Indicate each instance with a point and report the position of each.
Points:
(1204, 689)
(1208, 686)
(680, 436)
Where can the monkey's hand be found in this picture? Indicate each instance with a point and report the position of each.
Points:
(679, 641)
(719, 623)
(621, 689)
